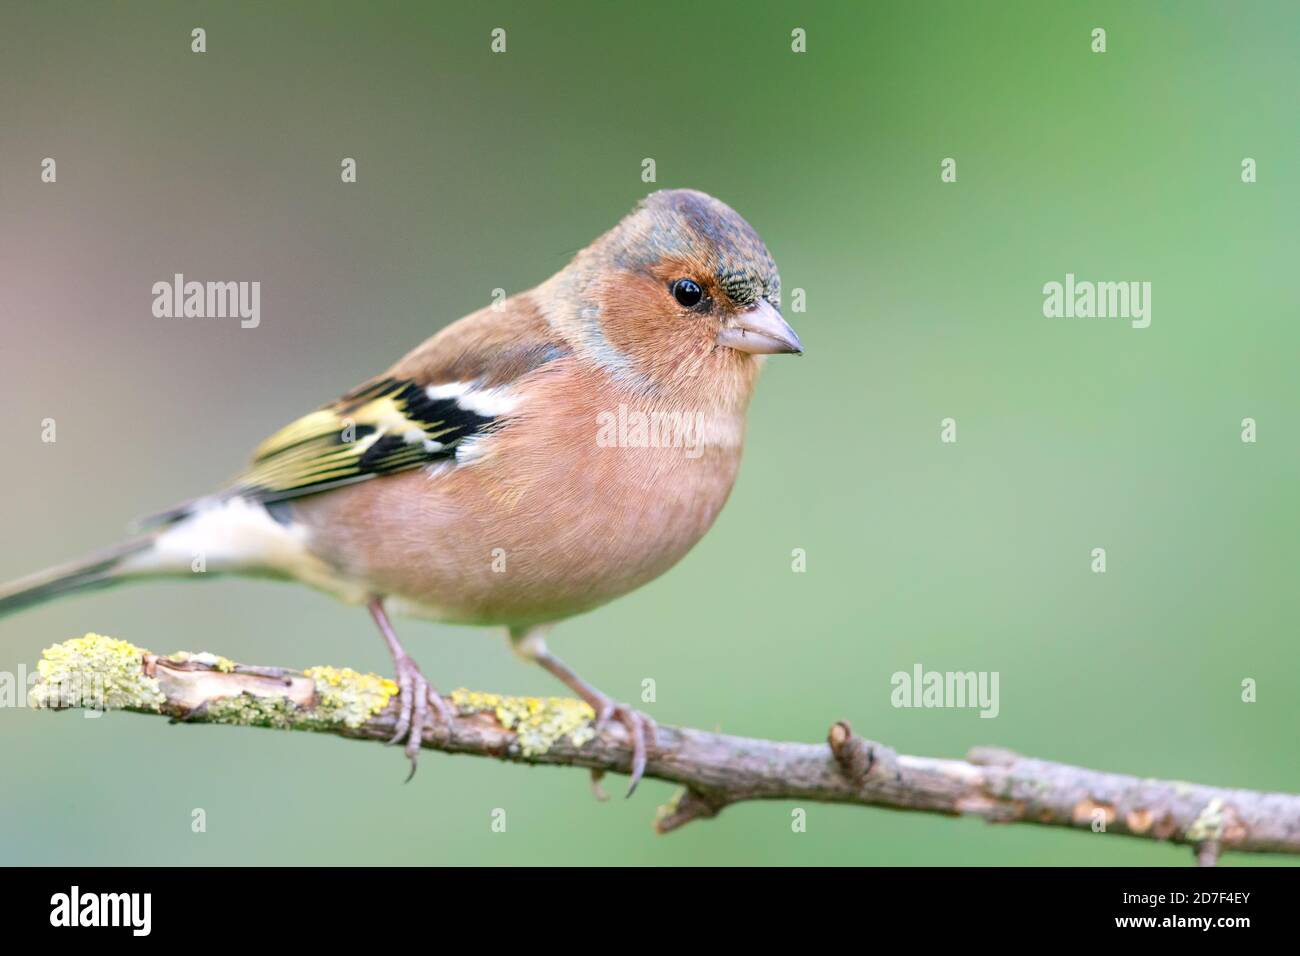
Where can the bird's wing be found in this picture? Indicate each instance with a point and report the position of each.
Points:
(456, 386)
(386, 426)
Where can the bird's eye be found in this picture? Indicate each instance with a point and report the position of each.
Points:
(687, 293)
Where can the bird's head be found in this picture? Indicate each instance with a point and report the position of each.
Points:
(680, 291)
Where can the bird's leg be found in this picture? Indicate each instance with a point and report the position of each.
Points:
(417, 694)
(531, 645)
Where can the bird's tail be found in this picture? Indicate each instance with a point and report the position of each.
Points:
(97, 571)
(223, 534)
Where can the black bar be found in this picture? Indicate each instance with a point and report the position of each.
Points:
(233, 904)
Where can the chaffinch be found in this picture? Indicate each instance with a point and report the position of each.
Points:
(527, 463)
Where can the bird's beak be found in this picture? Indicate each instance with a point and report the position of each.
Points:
(760, 331)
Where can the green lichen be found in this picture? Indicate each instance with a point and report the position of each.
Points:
(95, 672)
(250, 710)
(538, 722)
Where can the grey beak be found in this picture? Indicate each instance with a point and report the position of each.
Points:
(760, 331)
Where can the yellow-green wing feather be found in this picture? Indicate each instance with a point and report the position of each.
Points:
(390, 425)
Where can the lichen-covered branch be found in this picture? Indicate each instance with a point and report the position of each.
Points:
(714, 770)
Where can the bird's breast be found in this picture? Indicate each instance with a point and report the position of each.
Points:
(555, 515)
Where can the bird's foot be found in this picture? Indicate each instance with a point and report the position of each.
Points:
(640, 731)
(530, 643)
(418, 706)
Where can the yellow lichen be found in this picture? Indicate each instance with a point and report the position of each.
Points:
(348, 697)
(1208, 824)
(343, 696)
(98, 671)
(538, 722)
(670, 808)
(95, 672)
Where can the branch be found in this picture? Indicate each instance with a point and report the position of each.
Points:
(715, 770)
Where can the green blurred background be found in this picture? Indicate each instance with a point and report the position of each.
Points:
(924, 299)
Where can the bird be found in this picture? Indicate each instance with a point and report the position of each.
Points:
(527, 463)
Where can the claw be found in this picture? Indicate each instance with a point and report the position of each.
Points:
(404, 698)
(639, 728)
(416, 698)
(415, 694)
